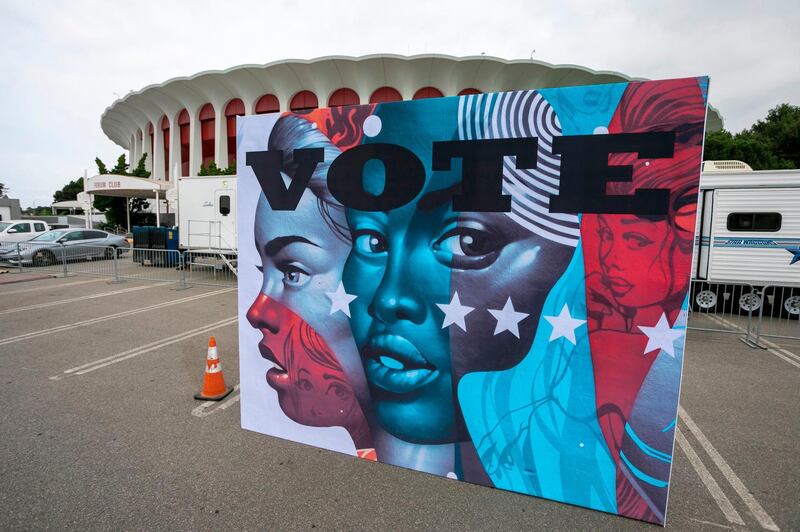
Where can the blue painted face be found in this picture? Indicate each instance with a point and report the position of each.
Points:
(399, 269)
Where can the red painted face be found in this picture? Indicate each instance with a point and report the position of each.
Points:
(639, 259)
(312, 388)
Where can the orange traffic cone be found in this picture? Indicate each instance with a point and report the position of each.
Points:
(214, 388)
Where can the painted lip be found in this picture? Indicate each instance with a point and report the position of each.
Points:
(395, 365)
(277, 377)
(618, 284)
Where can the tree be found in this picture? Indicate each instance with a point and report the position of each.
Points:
(140, 171)
(782, 129)
(213, 169)
(770, 144)
(121, 168)
(101, 166)
(70, 191)
(115, 208)
(3, 190)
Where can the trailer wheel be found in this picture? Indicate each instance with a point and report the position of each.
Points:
(749, 303)
(705, 299)
(792, 306)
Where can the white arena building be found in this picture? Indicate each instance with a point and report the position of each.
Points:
(187, 122)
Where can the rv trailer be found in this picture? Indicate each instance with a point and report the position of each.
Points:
(207, 213)
(207, 222)
(748, 231)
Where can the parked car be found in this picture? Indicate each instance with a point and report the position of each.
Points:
(20, 230)
(71, 244)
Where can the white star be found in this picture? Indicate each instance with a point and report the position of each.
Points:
(507, 319)
(662, 336)
(340, 300)
(564, 325)
(454, 312)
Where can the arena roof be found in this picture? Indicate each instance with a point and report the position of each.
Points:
(133, 113)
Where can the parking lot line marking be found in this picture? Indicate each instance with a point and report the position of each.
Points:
(787, 359)
(726, 527)
(783, 350)
(713, 488)
(772, 348)
(51, 287)
(79, 298)
(153, 346)
(123, 314)
(145, 346)
(788, 353)
(747, 497)
(204, 409)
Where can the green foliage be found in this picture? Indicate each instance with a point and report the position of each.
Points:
(121, 168)
(140, 171)
(771, 144)
(113, 207)
(41, 210)
(213, 169)
(3, 190)
(69, 192)
(101, 167)
(782, 129)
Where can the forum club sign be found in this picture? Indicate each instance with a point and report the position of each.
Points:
(491, 288)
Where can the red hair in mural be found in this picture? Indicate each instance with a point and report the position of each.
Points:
(637, 267)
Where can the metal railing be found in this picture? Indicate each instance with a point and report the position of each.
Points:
(779, 315)
(209, 268)
(743, 309)
(185, 269)
(750, 311)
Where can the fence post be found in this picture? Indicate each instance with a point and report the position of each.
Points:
(116, 268)
(182, 261)
(19, 257)
(64, 259)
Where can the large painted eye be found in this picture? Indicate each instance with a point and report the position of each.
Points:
(294, 276)
(468, 247)
(370, 242)
(636, 241)
(340, 391)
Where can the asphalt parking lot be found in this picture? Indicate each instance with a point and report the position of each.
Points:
(100, 431)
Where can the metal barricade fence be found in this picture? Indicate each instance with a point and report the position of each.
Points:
(725, 308)
(210, 267)
(152, 265)
(44, 257)
(97, 261)
(200, 267)
(779, 315)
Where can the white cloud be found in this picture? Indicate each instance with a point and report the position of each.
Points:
(63, 62)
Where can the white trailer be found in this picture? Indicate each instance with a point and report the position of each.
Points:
(748, 231)
(207, 213)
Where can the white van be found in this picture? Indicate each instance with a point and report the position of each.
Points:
(21, 230)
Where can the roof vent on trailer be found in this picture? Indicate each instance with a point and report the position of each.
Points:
(726, 166)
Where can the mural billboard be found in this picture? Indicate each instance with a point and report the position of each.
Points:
(490, 288)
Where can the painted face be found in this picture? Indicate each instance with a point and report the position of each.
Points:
(493, 259)
(398, 275)
(301, 260)
(637, 258)
(312, 387)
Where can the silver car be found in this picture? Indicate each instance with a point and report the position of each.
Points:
(55, 246)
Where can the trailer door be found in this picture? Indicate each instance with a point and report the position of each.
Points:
(225, 215)
(704, 240)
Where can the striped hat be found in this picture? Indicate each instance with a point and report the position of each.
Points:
(514, 115)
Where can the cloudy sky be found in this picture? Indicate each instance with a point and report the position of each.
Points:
(63, 63)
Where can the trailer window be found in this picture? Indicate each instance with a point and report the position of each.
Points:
(224, 205)
(754, 221)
